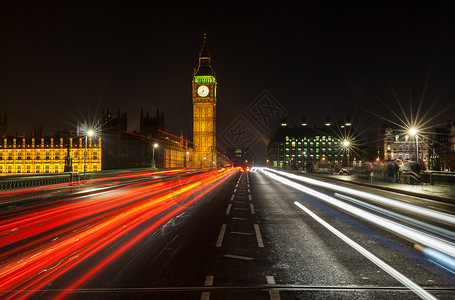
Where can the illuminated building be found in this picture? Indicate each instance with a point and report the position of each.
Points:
(304, 147)
(204, 111)
(399, 145)
(47, 155)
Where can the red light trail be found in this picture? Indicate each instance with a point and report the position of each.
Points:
(43, 243)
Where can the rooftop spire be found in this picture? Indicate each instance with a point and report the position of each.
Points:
(204, 68)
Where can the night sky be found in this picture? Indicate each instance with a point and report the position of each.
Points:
(64, 61)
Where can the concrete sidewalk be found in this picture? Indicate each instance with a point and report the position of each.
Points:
(444, 193)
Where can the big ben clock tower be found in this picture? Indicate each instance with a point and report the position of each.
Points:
(204, 111)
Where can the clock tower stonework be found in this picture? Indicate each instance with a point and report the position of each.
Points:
(204, 111)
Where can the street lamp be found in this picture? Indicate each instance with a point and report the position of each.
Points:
(304, 160)
(187, 159)
(346, 145)
(414, 132)
(153, 155)
(89, 133)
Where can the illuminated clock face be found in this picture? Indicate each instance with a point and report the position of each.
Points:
(203, 91)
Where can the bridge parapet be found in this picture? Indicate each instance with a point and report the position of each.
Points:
(15, 182)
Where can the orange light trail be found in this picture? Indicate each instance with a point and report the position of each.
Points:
(46, 243)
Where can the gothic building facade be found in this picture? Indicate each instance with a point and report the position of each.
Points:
(40, 154)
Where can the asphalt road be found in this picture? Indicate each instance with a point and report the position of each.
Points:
(256, 235)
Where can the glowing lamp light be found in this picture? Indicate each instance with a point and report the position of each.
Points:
(90, 133)
(155, 145)
(413, 131)
(346, 143)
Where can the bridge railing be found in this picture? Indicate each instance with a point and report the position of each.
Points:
(15, 182)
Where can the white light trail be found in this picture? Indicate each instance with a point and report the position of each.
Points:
(425, 212)
(411, 234)
(373, 258)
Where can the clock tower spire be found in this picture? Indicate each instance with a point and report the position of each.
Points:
(204, 111)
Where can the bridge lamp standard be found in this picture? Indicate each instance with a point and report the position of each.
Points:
(155, 145)
(88, 134)
(414, 132)
(346, 144)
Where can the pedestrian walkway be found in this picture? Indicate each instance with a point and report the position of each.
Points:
(444, 193)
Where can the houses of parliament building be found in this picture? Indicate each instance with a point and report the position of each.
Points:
(114, 147)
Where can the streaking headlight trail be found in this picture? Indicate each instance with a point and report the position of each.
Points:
(409, 233)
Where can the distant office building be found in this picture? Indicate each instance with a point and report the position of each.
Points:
(30, 155)
(311, 147)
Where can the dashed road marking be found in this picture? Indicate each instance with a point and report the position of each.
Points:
(232, 197)
(249, 191)
(250, 198)
(237, 218)
(228, 209)
(274, 295)
(258, 236)
(238, 257)
(241, 233)
(208, 282)
(240, 208)
(252, 209)
(221, 236)
(270, 279)
(235, 190)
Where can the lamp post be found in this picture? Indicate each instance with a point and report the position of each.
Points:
(89, 133)
(346, 145)
(153, 155)
(414, 132)
(304, 161)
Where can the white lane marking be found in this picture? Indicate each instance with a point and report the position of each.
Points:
(238, 257)
(270, 280)
(208, 282)
(237, 185)
(236, 218)
(241, 233)
(232, 197)
(249, 198)
(221, 236)
(235, 190)
(258, 236)
(249, 191)
(239, 202)
(252, 209)
(274, 295)
(377, 261)
(240, 208)
(248, 185)
(228, 209)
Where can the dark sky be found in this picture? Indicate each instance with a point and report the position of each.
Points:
(65, 60)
